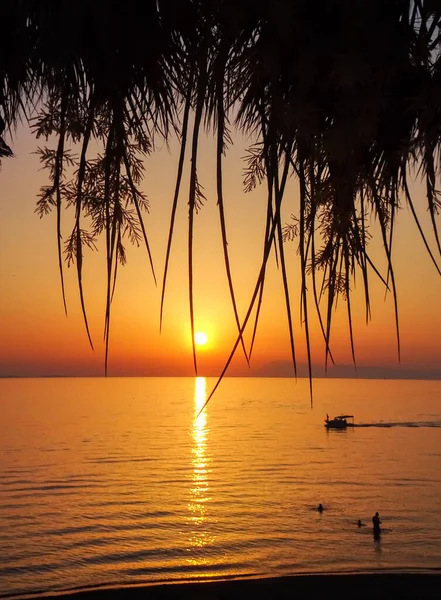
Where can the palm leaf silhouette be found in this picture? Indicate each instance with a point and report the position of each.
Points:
(343, 97)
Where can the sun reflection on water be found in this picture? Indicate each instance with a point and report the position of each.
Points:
(199, 490)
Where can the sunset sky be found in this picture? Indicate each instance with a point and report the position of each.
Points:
(37, 339)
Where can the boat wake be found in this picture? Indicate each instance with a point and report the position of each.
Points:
(400, 424)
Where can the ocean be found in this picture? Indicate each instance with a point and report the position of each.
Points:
(118, 481)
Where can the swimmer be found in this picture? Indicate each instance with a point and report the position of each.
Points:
(320, 508)
(376, 525)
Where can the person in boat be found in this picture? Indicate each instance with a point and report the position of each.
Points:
(320, 508)
(376, 524)
(327, 418)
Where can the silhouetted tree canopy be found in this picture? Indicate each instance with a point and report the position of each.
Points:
(344, 95)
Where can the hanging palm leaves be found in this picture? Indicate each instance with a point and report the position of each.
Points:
(344, 96)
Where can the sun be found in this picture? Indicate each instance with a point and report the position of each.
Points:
(200, 338)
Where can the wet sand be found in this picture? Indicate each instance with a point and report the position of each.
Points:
(389, 586)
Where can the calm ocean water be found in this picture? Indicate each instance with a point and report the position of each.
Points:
(116, 481)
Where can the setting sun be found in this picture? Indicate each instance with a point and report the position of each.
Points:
(200, 338)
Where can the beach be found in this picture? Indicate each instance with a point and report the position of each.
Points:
(406, 585)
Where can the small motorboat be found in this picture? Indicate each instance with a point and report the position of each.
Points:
(340, 422)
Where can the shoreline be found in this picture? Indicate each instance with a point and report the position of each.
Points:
(364, 585)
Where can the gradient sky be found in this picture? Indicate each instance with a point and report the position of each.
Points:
(36, 338)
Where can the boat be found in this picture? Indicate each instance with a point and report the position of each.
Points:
(339, 422)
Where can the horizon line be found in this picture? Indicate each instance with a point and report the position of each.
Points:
(392, 377)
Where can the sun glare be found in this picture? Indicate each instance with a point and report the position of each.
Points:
(200, 338)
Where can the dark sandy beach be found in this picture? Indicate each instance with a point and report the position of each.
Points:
(389, 586)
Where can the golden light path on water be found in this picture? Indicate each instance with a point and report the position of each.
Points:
(199, 491)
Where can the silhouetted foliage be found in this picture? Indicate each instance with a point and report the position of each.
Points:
(345, 96)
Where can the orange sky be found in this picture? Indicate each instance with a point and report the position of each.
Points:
(37, 339)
